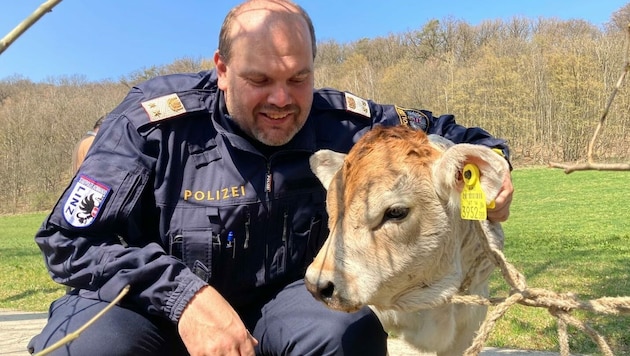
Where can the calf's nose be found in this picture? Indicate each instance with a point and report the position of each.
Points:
(322, 289)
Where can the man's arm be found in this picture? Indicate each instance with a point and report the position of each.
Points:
(103, 233)
(445, 126)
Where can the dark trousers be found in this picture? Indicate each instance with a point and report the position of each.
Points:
(292, 323)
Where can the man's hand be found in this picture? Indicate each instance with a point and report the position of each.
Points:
(502, 202)
(210, 326)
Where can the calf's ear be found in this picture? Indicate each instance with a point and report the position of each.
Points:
(447, 171)
(325, 164)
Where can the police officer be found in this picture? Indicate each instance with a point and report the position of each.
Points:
(198, 195)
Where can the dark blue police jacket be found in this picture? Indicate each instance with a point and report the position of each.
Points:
(171, 197)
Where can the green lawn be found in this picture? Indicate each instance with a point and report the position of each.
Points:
(25, 283)
(566, 233)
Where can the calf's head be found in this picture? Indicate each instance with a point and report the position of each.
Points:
(393, 205)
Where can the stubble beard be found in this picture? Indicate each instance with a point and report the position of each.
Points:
(276, 137)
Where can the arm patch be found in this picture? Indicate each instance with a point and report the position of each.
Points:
(413, 118)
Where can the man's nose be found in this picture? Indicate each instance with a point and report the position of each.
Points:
(279, 95)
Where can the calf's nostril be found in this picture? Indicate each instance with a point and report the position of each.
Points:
(327, 291)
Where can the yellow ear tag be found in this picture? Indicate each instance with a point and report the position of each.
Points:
(473, 199)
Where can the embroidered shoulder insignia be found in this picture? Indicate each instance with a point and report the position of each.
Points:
(413, 118)
(357, 105)
(84, 202)
(163, 107)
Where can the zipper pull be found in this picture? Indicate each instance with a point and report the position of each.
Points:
(268, 182)
(284, 227)
(247, 223)
(268, 179)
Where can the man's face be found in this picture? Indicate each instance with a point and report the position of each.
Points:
(268, 82)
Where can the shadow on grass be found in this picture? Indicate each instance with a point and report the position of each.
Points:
(14, 252)
(614, 282)
(29, 293)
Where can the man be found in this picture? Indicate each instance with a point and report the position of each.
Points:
(197, 193)
(82, 147)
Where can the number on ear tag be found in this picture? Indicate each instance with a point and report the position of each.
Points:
(473, 199)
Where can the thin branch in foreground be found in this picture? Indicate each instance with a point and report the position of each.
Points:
(74, 335)
(7, 40)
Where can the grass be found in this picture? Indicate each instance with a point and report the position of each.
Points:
(566, 233)
(25, 283)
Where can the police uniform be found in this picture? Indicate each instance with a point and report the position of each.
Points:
(173, 196)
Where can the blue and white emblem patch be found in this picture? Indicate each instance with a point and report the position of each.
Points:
(83, 204)
(413, 118)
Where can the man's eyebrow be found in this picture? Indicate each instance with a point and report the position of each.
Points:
(304, 71)
(253, 72)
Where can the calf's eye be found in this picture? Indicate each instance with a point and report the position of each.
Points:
(396, 213)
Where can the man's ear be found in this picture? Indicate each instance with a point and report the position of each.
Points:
(221, 68)
(325, 164)
(448, 171)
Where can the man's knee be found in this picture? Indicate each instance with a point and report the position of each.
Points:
(295, 323)
(359, 333)
(120, 331)
(328, 333)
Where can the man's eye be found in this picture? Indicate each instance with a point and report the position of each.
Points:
(299, 80)
(258, 81)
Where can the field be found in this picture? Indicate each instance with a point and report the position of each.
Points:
(25, 283)
(566, 233)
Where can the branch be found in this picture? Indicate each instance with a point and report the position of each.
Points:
(570, 168)
(591, 165)
(28, 22)
(72, 336)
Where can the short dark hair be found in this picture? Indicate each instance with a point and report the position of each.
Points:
(99, 122)
(225, 40)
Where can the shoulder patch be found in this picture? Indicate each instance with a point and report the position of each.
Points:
(163, 107)
(84, 202)
(413, 118)
(357, 105)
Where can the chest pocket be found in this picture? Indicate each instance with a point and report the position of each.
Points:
(203, 154)
(218, 249)
(196, 246)
(197, 250)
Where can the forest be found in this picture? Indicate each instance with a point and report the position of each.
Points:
(541, 84)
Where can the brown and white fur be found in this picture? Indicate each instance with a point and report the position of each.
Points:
(397, 242)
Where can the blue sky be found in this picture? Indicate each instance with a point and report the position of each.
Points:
(107, 39)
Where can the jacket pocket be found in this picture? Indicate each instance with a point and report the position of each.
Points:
(197, 249)
(308, 233)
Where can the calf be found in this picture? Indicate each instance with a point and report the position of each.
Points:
(397, 241)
